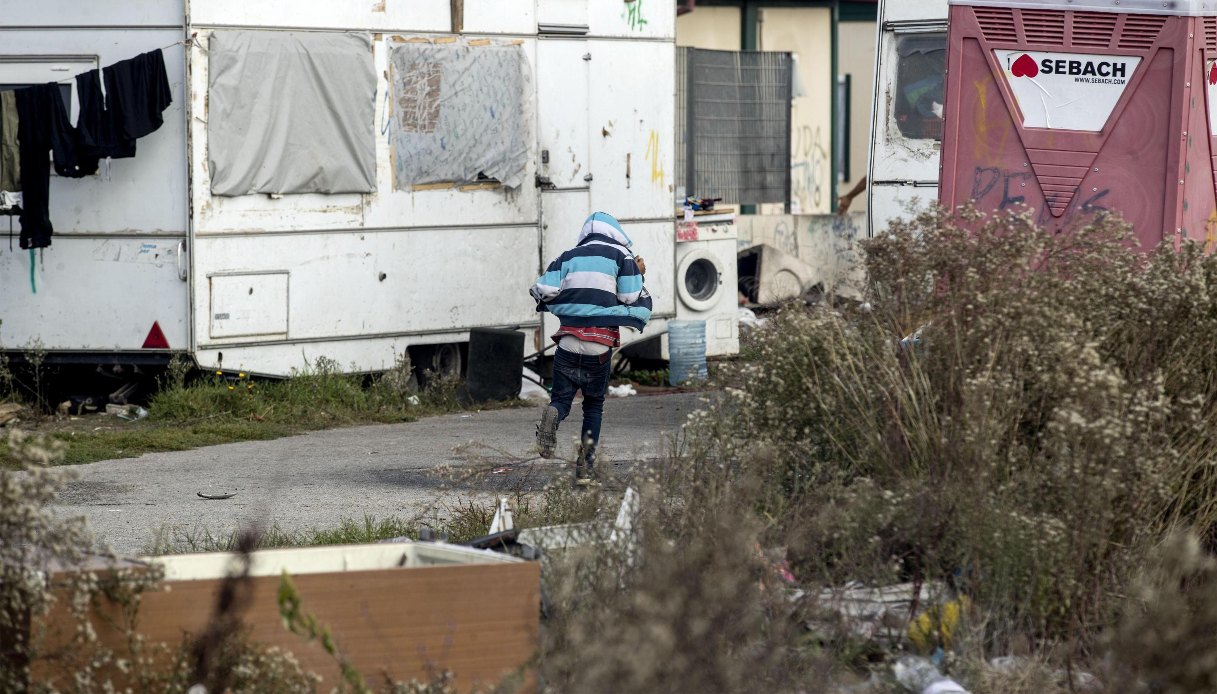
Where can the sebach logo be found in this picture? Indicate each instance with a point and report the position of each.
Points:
(1026, 66)
(1066, 91)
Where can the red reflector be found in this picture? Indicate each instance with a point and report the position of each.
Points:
(156, 338)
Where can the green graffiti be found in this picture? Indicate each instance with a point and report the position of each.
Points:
(633, 15)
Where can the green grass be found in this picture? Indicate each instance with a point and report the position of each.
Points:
(557, 505)
(88, 447)
(657, 377)
(226, 408)
(348, 532)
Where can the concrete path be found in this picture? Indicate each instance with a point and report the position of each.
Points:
(316, 479)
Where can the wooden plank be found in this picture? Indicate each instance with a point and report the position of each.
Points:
(481, 621)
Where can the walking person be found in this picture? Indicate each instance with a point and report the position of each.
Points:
(594, 289)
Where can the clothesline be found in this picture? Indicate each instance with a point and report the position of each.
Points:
(194, 39)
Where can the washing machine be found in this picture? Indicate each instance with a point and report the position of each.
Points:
(707, 281)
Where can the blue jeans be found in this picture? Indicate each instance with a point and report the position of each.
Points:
(573, 372)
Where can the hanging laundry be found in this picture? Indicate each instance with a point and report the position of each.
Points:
(42, 126)
(10, 157)
(72, 160)
(137, 91)
(98, 127)
(34, 133)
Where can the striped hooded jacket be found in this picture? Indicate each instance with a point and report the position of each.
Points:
(596, 284)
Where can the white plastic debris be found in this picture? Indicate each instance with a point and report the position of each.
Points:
(748, 319)
(133, 413)
(413, 400)
(622, 391)
(621, 535)
(919, 675)
(530, 388)
(502, 518)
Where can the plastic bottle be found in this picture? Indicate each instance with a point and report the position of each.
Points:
(687, 351)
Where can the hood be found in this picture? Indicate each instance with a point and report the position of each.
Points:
(606, 225)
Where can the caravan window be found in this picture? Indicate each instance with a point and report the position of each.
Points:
(461, 114)
(18, 71)
(920, 80)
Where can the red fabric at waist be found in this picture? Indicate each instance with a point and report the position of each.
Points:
(602, 336)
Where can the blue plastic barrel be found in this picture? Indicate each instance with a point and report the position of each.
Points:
(686, 351)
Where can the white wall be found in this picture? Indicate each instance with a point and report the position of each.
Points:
(808, 33)
(856, 58)
(716, 28)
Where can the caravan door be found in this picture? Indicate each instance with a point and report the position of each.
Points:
(562, 133)
(906, 131)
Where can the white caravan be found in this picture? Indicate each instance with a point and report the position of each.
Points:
(149, 260)
(906, 121)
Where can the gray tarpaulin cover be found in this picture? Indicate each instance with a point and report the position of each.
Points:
(291, 112)
(458, 111)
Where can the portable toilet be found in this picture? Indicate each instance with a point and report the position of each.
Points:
(1073, 107)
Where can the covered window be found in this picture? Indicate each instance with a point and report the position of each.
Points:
(920, 82)
(462, 113)
(291, 112)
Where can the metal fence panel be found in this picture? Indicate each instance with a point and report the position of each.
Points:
(733, 125)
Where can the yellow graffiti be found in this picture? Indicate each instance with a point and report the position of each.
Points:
(980, 123)
(653, 156)
(1210, 238)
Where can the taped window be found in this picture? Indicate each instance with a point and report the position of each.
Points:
(291, 112)
(461, 114)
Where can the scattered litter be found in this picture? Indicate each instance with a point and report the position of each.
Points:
(84, 404)
(878, 614)
(621, 532)
(466, 416)
(413, 400)
(216, 497)
(500, 471)
(9, 412)
(133, 413)
(531, 388)
(934, 627)
(920, 676)
(1019, 667)
(622, 391)
(502, 518)
(913, 339)
(748, 319)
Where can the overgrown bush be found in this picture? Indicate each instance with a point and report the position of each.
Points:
(686, 601)
(1015, 414)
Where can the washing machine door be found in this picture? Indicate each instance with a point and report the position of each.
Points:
(699, 279)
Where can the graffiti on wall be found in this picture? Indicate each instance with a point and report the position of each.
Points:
(993, 188)
(633, 15)
(784, 238)
(1210, 233)
(653, 155)
(809, 171)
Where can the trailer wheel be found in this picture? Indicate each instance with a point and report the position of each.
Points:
(431, 361)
